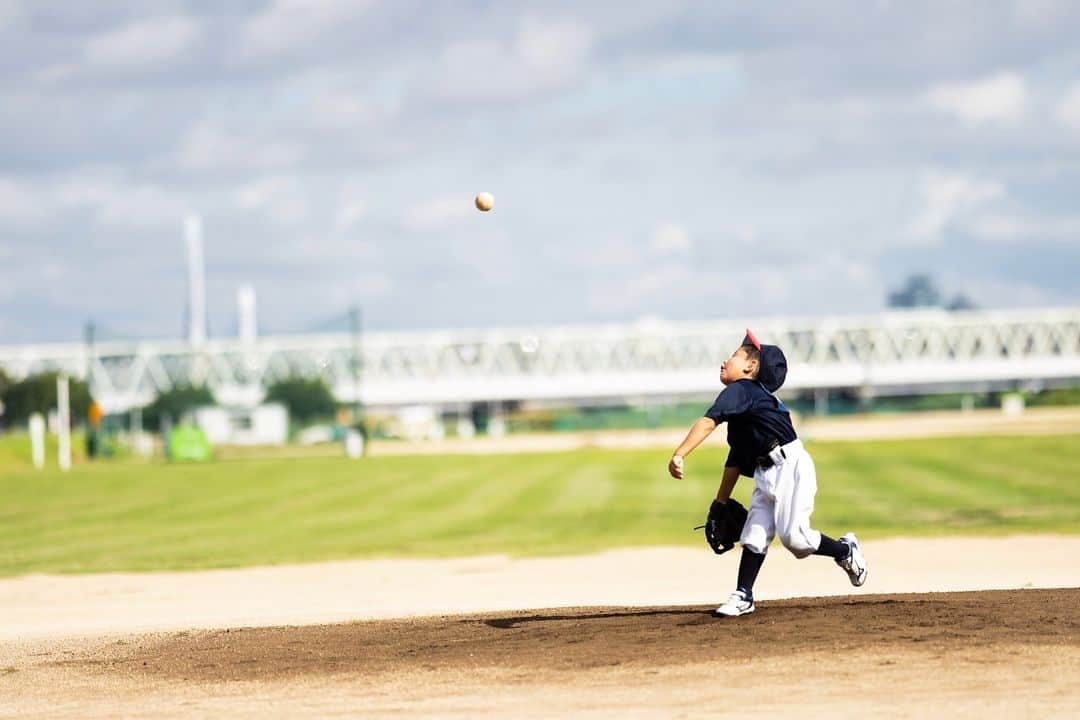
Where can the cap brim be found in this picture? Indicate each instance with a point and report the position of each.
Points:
(752, 339)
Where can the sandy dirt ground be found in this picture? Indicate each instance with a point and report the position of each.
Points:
(634, 637)
(41, 606)
(994, 653)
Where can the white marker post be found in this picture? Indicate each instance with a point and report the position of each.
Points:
(354, 443)
(37, 440)
(63, 418)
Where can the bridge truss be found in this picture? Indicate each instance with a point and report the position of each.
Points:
(881, 354)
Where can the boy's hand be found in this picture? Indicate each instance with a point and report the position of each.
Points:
(675, 467)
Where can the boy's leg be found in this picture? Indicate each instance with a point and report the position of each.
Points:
(760, 527)
(749, 566)
(796, 488)
(832, 548)
(741, 602)
(757, 533)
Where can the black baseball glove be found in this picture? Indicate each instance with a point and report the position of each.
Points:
(724, 525)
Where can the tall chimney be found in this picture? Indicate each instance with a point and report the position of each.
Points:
(196, 280)
(245, 309)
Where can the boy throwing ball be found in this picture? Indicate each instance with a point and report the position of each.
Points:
(764, 446)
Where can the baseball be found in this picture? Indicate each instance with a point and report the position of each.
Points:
(485, 201)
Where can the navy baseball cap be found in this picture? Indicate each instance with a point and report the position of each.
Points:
(773, 366)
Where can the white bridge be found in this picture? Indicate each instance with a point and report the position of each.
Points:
(889, 353)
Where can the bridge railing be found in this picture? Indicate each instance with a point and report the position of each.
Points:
(911, 349)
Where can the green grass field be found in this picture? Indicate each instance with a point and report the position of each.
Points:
(144, 516)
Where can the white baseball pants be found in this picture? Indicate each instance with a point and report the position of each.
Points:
(782, 502)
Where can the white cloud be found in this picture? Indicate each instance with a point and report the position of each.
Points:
(1017, 228)
(613, 254)
(9, 13)
(352, 206)
(142, 206)
(670, 238)
(19, 204)
(1000, 98)
(556, 48)
(283, 199)
(1069, 110)
(210, 146)
(112, 201)
(639, 290)
(440, 211)
(748, 235)
(983, 209)
(596, 99)
(85, 188)
(143, 43)
(204, 146)
(698, 63)
(1041, 13)
(473, 70)
(288, 24)
(948, 197)
(349, 215)
(543, 56)
(344, 111)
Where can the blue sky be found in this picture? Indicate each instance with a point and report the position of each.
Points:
(688, 160)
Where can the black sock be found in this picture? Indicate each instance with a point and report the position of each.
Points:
(748, 570)
(833, 548)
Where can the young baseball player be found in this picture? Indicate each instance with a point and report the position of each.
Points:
(764, 446)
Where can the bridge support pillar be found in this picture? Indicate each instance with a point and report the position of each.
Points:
(821, 401)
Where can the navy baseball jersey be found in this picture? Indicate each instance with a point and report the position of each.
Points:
(756, 420)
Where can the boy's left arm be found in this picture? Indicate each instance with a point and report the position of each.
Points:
(727, 484)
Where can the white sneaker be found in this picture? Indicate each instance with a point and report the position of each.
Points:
(737, 604)
(854, 564)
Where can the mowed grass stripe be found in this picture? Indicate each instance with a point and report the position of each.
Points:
(510, 493)
(135, 516)
(950, 485)
(188, 509)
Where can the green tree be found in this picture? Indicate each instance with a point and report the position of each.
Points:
(961, 302)
(921, 290)
(174, 402)
(305, 399)
(37, 393)
(5, 383)
(917, 291)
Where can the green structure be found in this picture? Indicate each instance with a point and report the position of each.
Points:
(188, 443)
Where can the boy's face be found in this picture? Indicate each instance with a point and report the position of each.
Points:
(737, 367)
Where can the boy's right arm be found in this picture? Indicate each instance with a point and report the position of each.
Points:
(698, 432)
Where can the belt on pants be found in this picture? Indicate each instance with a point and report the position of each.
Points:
(777, 454)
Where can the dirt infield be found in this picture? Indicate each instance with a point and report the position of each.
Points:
(570, 640)
(1015, 652)
(57, 606)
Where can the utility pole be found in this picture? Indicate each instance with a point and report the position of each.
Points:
(356, 364)
(88, 334)
(93, 439)
(63, 417)
(193, 237)
(355, 437)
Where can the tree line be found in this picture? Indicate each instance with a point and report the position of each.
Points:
(307, 400)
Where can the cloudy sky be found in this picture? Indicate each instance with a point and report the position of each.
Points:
(687, 160)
